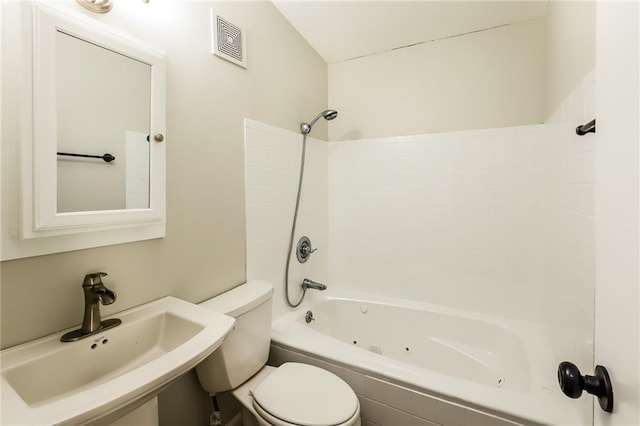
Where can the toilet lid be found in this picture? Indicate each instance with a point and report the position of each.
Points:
(306, 395)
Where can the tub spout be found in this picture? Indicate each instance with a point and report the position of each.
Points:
(307, 283)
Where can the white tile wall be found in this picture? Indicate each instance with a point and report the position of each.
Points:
(272, 168)
(570, 249)
(454, 218)
(497, 220)
(136, 170)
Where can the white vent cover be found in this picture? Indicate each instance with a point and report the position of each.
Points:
(228, 41)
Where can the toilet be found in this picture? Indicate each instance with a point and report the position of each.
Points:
(293, 394)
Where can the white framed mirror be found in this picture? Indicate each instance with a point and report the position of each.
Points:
(92, 146)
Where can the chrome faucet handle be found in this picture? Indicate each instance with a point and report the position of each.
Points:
(93, 279)
(308, 250)
(304, 249)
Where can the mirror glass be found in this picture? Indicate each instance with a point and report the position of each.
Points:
(103, 111)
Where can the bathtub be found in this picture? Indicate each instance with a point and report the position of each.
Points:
(428, 363)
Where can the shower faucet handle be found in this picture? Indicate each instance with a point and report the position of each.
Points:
(304, 249)
(307, 250)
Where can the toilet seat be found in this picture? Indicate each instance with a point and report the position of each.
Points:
(304, 395)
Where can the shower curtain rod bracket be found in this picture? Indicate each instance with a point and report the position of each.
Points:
(589, 127)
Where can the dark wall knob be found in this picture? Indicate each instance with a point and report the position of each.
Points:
(570, 379)
(573, 383)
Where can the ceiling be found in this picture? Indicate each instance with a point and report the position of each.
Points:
(341, 30)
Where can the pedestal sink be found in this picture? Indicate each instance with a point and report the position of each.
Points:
(49, 382)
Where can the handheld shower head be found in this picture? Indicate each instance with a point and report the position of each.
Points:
(329, 114)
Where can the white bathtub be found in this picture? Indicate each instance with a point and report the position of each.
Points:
(500, 370)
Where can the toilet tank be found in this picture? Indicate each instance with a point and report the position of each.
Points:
(246, 348)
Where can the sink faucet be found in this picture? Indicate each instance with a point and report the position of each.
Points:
(307, 283)
(94, 293)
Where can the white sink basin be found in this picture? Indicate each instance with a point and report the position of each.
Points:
(49, 382)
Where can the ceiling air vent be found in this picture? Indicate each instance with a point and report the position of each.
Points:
(229, 41)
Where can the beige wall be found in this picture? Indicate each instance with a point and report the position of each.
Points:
(512, 75)
(1, 130)
(492, 78)
(203, 253)
(570, 48)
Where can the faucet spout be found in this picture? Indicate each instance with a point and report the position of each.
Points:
(307, 284)
(105, 295)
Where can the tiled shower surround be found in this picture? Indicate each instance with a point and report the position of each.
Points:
(499, 221)
(455, 219)
(272, 167)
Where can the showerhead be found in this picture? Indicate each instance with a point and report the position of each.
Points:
(328, 114)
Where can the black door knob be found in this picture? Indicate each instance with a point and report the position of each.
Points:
(573, 383)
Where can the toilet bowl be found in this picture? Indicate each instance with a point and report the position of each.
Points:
(293, 394)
